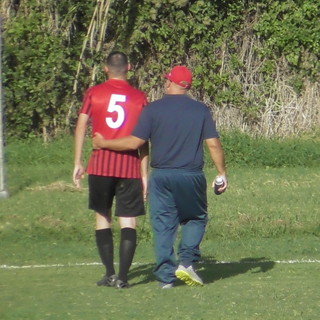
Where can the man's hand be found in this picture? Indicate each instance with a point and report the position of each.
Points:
(97, 141)
(224, 186)
(78, 174)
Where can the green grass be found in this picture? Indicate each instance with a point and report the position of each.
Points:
(267, 202)
(268, 215)
(259, 203)
(231, 292)
(243, 150)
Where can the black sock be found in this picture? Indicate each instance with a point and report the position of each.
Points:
(104, 243)
(127, 249)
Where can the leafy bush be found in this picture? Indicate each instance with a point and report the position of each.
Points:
(40, 55)
(290, 29)
(238, 51)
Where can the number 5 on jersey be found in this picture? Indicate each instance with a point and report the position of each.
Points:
(114, 107)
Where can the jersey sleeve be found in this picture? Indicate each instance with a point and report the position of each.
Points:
(142, 129)
(86, 103)
(209, 128)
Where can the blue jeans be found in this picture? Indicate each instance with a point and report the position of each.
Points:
(177, 197)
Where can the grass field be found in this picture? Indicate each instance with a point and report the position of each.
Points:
(261, 252)
(280, 291)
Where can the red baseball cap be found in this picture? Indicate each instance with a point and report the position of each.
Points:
(180, 75)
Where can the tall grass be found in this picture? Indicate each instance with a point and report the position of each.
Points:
(240, 149)
(245, 151)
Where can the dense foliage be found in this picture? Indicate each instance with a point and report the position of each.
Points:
(241, 53)
(40, 50)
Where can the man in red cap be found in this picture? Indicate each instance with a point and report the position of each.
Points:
(180, 75)
(176, 126)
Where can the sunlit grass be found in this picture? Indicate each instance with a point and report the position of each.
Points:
(266, 215)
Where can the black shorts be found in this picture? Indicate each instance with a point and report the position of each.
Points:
(128, 194)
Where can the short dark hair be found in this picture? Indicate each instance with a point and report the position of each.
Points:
(117, 62)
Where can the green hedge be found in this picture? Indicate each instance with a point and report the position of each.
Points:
(43, 44)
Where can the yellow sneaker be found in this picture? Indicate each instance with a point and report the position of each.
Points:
(189, 276)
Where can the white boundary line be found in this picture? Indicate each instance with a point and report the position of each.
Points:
(58, 265)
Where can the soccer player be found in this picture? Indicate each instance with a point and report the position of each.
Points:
(113, 107)
(176, 125)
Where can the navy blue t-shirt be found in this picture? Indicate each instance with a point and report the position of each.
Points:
(176, 126)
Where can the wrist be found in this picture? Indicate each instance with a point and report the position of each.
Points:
(221, 174)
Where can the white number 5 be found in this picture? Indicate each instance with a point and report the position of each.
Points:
(114, 107)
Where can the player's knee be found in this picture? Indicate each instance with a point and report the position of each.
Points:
(127, 222)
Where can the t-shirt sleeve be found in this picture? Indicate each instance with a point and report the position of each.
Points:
(209, 128)
(142, 129)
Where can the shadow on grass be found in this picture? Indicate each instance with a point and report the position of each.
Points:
(143, 273)
(209, 270)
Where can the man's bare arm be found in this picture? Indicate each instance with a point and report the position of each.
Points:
(217, 156)
(121, 144)
(144, 158)
(79, 138)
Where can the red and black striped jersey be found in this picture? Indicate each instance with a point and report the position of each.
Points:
(114, 108)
